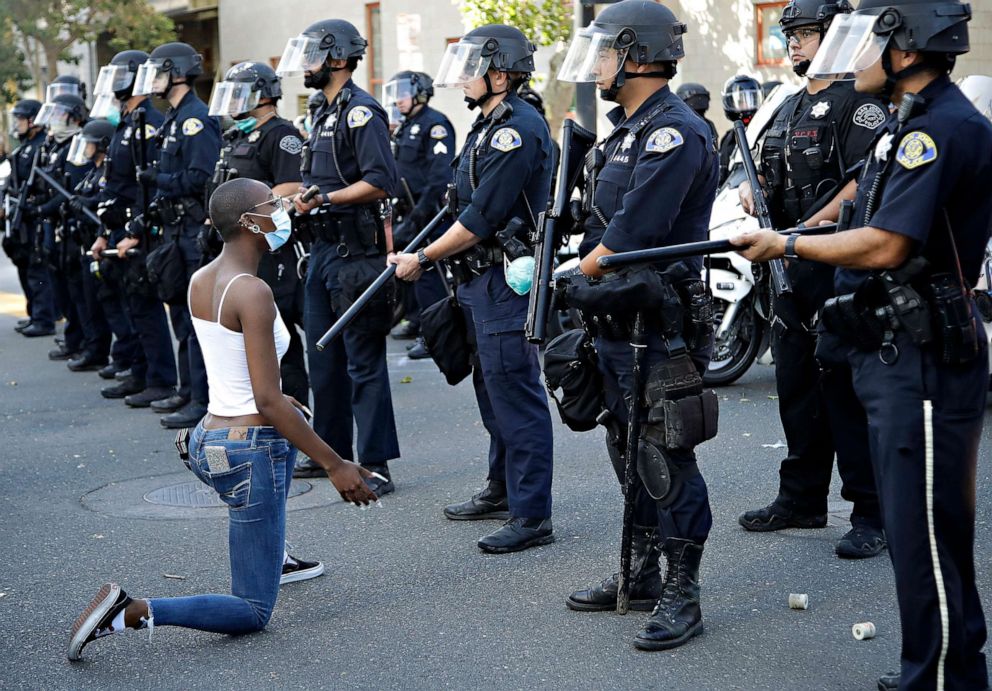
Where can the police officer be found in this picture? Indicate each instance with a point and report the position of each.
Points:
(697, 97)
(816, 135)
(631, 52)
(265, 147)
(128, 296)
(347, 156)
(64, 117)
(18, 243)
(424, 147)
(190, 145)
(741, 97)
(91, 145)
(906, 319)
(65, 84)
(502, 181)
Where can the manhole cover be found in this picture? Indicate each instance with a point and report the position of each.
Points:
(177, 496)
(199, 496)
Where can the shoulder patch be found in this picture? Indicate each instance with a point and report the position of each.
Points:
(663, 140)
(291, 144)
(150, 131)
(440, 148)
(192, 127)
(916, 149)
(869, 116)
(439, 132)
(359, 116)
(506, 139)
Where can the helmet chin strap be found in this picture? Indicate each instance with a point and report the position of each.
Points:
(318, 80)
(802, 68)
(892, 78)
(474, 103)
(621, 79)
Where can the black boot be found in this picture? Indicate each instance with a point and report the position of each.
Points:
(645, 579)
(889, 681)
(488, 504)
(676, 617)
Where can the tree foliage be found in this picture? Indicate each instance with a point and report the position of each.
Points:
(46, 30)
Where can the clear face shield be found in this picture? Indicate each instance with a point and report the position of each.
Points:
(462, 64)
(79, 150)
(61, 88)
(397, 99)
(151, 79)
(302, 54)
(105, 106)
(741, 98)
(850, 46)
(52, 115)
(113, 78)
(232, 98)
(592, 57)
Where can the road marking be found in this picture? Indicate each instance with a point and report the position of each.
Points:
(13, 304)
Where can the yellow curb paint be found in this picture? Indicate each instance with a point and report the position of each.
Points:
(13, 304)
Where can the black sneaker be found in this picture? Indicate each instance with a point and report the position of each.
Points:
(380, 486)
(488, 504)
(307, 467)
(889, 681)
(123, 374)
(95, 621)
(777, 517)
(862, 541)
(86, 362)
(35, 330)
(144, 398)
(298, 570)
(170, 404)
(61, 353)
(404, 331)
(419, 350)
(21, 325)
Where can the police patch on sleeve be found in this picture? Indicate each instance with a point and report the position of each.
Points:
(506, 139)
(917, 149)
(291, 144)
(192, 127)
(439, 132)
(869, 116)
(150, 131)
(359, 116)
(440, 148)
(663, 140)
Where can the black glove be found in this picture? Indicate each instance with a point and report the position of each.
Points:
(135, 228)
(76, 203)
(148, 176)
(113, 214)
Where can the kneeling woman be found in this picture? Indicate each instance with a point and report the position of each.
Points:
(246, 445)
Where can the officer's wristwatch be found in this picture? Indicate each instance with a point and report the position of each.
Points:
(422, 259)
(790, 248)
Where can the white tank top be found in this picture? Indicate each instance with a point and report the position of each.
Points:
(224, 355)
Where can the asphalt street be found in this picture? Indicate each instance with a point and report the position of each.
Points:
(408, 601)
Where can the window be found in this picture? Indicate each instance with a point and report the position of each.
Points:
(373, 29)
(772, 48)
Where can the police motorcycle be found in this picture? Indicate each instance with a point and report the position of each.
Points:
(978, 89)
(742, 311)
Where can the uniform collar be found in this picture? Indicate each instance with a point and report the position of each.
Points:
(934, 88)
(190, 95)
(511, 98)
(618, 115)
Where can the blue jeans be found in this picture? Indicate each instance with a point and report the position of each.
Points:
(254, 487)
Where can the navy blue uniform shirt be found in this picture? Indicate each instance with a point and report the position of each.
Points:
(513, 158)
(122, 157)
(270, 153)
(425, 147)
(658, 184)
(937, 170)
(190, 147)
(358, 131)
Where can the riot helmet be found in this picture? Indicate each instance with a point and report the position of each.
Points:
(646, 32)
(65, 84)
(696, 96)
(115, 82)
(63, 116)
(741, 97)
(936, 28)
(164, 66)
(309, 53)
(494, 47)
(94, 138)
(244, 86)
(803, 19)
(24, 114)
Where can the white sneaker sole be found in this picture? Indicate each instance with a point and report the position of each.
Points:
(91, 616)
(302, 574)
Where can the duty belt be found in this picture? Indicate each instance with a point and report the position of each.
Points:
(354, 235)
(474, 262)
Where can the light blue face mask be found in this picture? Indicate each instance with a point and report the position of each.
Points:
(114, 117)
(246, 125)
(284, 227)
(520, 275)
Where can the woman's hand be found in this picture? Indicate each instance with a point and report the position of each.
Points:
(349, 480)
